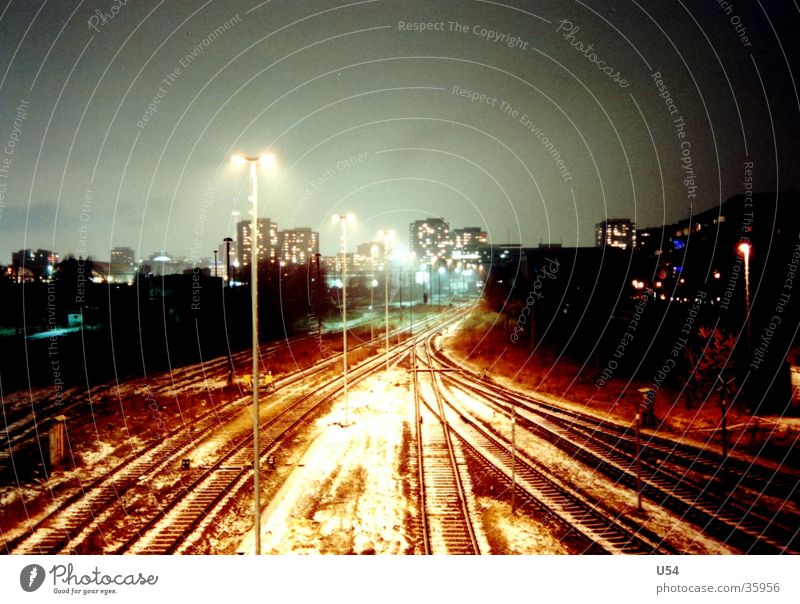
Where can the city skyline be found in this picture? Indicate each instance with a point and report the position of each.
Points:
(378, 277)
(430, 240)
(399, 135)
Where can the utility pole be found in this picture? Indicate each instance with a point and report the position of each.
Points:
(513, 459)
(386, 307)
(253, 163)
(372, 284)
(215, 262)
(412, 275)
(228, 242)
(638, 466)
(724, 387)
(228, 309)
(318, 300)
(342, 219)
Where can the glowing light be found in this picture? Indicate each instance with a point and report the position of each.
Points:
(349, 217)
(268, 159)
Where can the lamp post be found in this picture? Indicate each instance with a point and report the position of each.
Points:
(253, 163)
(638, 465)
(385, 236)
(449, 276)
(215, 263)
(745, 248)
(343, 219)
(373, 252)
(228, 242)
(434, 264)
(226, 292)
(318, 300)
(412, 256)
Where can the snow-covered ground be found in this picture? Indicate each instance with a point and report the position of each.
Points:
(664, 523)
(350, 491)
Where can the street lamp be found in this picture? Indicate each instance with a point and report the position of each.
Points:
(745, 248)
(269, 160)
(434, 264)
(228, 242)
(412, 256)
(449, 276)
(373, 252)
(227, 298)
(385, 237)
(343, 219)
(215, 263)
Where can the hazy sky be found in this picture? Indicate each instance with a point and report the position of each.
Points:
(118, 120)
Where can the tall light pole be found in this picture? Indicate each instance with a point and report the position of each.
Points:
(386, 236)
(215, 263)
(343, 219)
(434, 264)
(449, 276)
(226, 292)
(412, 257)
(373, 252)
(745, 248)
(228, 242)
(318, 300)
(267, 159)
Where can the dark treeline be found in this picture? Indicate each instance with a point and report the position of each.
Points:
(125, 330)
(655, 316)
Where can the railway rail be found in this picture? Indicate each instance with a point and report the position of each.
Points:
(447, 520)
(165, 531)
(584, 517)
(610, 448)
(200, 487)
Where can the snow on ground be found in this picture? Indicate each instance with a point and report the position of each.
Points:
(682, 429)
(100, 453)
(684, 536)
(347, 494)
(516, 534)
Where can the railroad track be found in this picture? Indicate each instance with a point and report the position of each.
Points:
(22, 431)
(22, 428)
(724, 473)
(447, 522)
(587, 518)
(165, 531)
(746, 527)
(80, 511)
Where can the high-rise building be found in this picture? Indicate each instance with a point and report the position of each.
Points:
(616, 232)
(29, 265)
(429, 238)
(468, 239)
(651, 241)
(299, 245)
(368, 256)
(123, 264)
(268, 241)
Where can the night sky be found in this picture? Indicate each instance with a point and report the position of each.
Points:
(122, 117)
